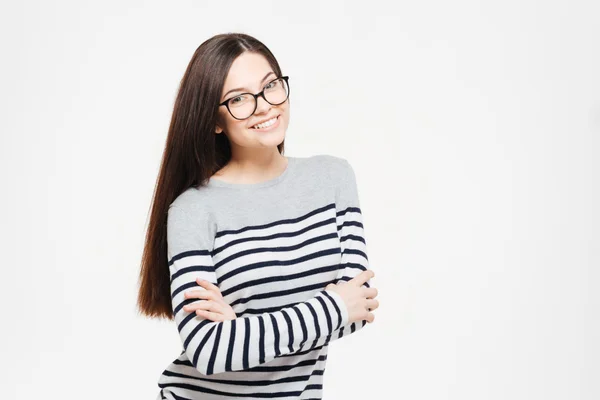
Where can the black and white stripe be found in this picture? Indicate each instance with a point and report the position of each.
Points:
(273, 275)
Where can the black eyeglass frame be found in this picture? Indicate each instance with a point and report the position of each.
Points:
(261, 94)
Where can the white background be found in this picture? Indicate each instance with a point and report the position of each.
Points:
(473, 128)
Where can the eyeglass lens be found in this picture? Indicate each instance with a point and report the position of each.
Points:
(243, 106)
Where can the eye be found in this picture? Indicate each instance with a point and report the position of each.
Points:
(271, 85)
(236, 99)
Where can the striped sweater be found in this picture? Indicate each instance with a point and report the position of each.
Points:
(271, 248)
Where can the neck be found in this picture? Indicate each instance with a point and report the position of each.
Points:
(255, 166)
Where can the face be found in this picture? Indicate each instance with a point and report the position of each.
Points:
(250, 73)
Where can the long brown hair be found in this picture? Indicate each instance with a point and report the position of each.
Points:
(192, 154)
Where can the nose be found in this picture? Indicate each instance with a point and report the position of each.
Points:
(262, 106)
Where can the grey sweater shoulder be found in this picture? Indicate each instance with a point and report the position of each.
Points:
(306, 184)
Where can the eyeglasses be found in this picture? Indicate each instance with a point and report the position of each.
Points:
(242, 106)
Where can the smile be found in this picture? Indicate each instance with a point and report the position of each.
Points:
(267, 125)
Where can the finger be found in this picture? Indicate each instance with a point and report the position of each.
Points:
(361, 278)
(370, 293)
(208, 305)
(194, 306)
(216, 317)
(200, 294)
(372, 304)
(370, 317)
(208, 285)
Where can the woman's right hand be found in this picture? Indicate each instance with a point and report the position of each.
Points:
(359, 300)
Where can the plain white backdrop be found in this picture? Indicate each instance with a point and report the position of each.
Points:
(474, 131)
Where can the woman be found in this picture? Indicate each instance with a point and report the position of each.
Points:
(260, 258)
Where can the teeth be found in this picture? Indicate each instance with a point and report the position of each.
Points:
(265, 124)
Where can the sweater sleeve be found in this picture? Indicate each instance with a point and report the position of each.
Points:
(352, 237)
(244, 342)
(351, 234)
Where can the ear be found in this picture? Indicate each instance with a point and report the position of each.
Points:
(218, 124)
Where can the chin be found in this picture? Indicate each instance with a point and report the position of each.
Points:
(273, 140)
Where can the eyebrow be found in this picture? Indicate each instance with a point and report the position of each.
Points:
(240, 89)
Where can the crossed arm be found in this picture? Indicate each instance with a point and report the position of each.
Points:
(245, 342)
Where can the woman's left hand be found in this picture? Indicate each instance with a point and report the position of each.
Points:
(213, 306)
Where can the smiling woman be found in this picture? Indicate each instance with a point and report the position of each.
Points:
(260, 258)
(253, 114)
